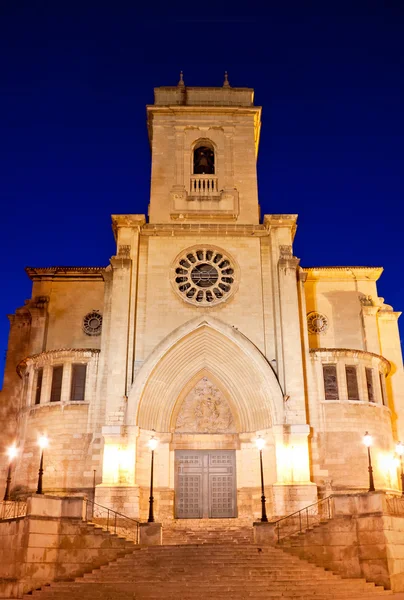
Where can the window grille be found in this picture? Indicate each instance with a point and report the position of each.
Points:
(78, 383)
(369, 384)
(330, 382)
(352, 383)
(56, 389)
(38, 386)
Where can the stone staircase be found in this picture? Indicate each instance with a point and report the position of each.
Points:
(231, 568)
(207, 531)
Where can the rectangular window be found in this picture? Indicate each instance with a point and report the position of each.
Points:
(330, 382)
(78, 383)
(383, 388)
(352, 383)
(38, 385)
(369, 384)
(56, 389)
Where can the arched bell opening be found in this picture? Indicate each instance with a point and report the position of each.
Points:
(203, 158)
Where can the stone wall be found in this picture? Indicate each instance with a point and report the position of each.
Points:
(364, 539)
(69, 460)
(52, 543)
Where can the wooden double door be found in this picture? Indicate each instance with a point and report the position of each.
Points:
(205, 484)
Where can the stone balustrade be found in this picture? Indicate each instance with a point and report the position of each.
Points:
(204, 185)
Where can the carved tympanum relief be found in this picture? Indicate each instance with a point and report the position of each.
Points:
(205, 410)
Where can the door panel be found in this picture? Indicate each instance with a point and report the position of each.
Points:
(205, 484)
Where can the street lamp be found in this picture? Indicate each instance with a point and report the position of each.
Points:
(152, 443)
(400, 452)
(11, 453)
(42, 443)
(260, 443)
(367, 440)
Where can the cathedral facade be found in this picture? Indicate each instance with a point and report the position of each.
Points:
(205, 333)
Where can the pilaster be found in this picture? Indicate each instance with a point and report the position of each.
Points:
(118, 489)
(390, 348)
(123, 314)
(288, 329)
(369, 315)
(293, 489)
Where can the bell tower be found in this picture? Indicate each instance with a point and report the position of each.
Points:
(204, 144)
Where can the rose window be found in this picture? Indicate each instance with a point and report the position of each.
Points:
(92, 323)
(204, 276)
(316, 322)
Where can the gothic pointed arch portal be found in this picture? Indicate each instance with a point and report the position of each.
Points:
(230, 358)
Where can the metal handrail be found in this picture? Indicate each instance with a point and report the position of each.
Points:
(10, 509)
(304, 519)
(112, 521)
(395, 505)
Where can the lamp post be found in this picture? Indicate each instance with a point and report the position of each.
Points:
(260, 443)
(153, 443)
(11, 453)
(400, 452)
(367, 440)
(42, 443)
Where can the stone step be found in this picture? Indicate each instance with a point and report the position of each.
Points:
(193, 571)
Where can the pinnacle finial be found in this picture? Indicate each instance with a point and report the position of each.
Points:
(226, 80)
(181, 81)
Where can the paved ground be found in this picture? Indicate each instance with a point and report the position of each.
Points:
(399, 596)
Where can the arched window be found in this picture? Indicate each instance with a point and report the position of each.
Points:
(204, 159)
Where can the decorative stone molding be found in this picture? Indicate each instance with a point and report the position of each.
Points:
(55, 356)
(285, 251)
(366, 300)
(343, 273)
(220, 204)
(62, 273)
(130, 221)
(192, 229)
(124, 250)
(39, 302)
(275, 221)
(341, 353)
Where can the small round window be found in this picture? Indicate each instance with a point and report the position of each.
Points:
(92, 323)
(204, 276)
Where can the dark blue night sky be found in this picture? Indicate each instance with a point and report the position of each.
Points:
(75, 79)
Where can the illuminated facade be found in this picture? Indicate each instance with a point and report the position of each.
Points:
(205, 332)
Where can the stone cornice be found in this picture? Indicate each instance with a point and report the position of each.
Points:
(388, 315)
(50, 355)
(351, 353)
(60, 273)
(130, 221)
(206, 108)
(191, 229)
(275, 221)
(343, 273)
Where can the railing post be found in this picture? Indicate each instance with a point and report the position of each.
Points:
(307, 518)
(300, 520)
(107, 519)
(115, 525)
